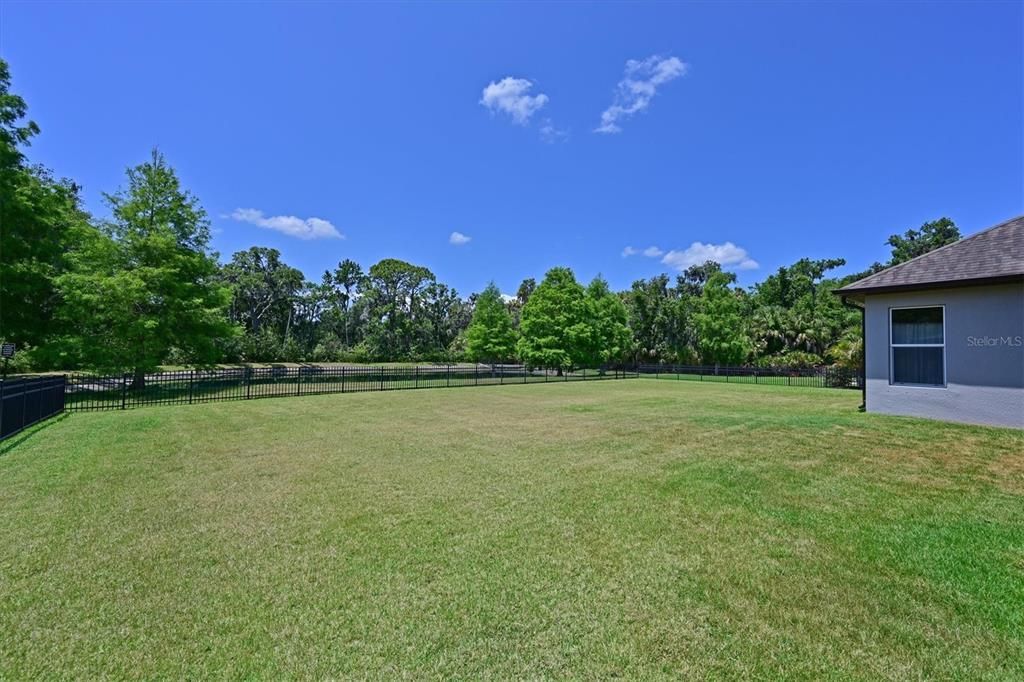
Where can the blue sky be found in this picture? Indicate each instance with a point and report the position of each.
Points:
(782, 129)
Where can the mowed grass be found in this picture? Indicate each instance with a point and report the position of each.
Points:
(634, 528)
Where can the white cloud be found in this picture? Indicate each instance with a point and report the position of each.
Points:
(550, 134)
(637, 87)
(507, 298)
(310, 228)
(511, 95)
(458, 239)
(728, 255)
(650, 252)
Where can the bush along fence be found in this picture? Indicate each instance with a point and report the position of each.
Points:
(25, 401)
(816, 377)
(119, 392)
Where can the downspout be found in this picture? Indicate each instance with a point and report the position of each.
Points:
(863, 350)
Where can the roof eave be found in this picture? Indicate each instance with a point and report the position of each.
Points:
(941, 284)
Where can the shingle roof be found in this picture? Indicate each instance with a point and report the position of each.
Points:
(992, 255)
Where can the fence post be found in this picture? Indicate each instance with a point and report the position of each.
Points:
(525, 370)
(298, 380)
(248, 382)
(755, 376)
(501, 374)
(191, 381)
(584, 373)
(417, 376)
(448, 377)
(24, 405)
(476, 373)
(343, 378)
(124, 390)
(382, 377)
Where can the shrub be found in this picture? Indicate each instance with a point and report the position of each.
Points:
(328, 350)
(793, 359)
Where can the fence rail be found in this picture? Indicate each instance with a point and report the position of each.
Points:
(25, 401)
(28, 400)
(119, 392)
(817, 377)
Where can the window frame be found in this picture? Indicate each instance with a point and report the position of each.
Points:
(892, 354)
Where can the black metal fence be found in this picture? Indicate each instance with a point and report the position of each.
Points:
(26, 401)
(119, 392)
(816, 377)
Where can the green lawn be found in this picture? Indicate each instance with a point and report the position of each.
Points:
(634, 528)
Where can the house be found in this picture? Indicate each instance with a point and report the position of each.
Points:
(944, 332)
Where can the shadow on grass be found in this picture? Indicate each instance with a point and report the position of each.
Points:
(11, 443)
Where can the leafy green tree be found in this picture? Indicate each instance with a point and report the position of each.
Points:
(515, 305)
(526, 289)
(490, 337)
(13, 132)
(848, 352)
(147, 284)
(440, 318)
(610, 337)
(646, 302)
(770, 329)
(41, 220)
(911, 244)
(309, 305)
(794, 311)
(800, 281)
(345, 280)
(554, 325)
(391, 294)
(914, 243)
(721, 328)
(661, 316)
(263, 289)
(693, 279)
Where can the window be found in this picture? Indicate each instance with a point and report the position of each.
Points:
(917, 346)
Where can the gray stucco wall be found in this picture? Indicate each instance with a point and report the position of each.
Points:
(984, 356)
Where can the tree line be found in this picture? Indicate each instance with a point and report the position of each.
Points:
(142, 288)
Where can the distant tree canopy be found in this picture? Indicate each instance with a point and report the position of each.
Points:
(264, 289)
(142, 288)
(914, 243)
(393, 294)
